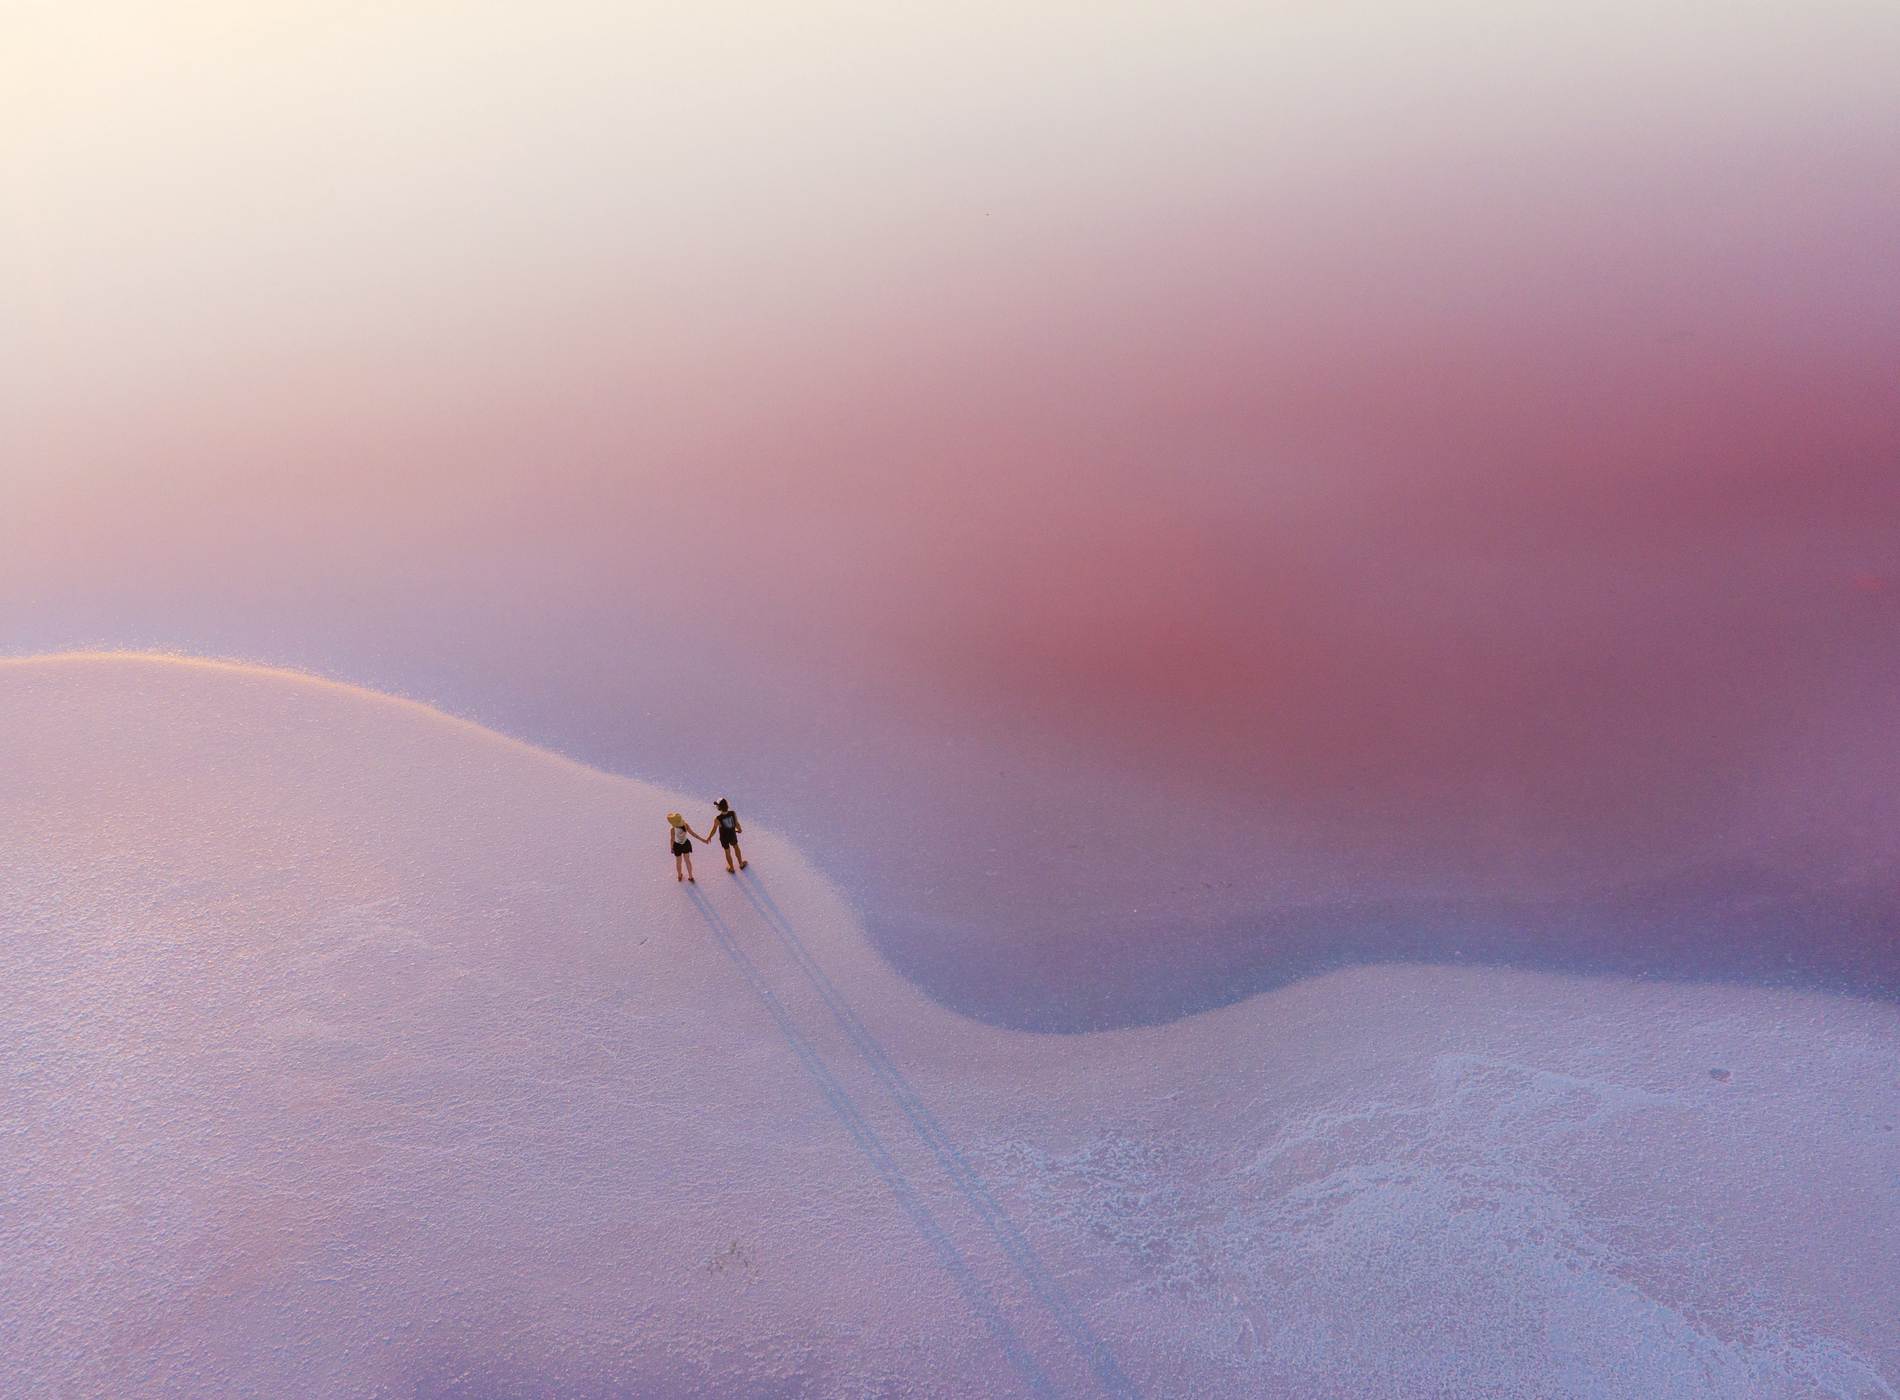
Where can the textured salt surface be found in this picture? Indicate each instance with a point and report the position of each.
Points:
(356, 1051)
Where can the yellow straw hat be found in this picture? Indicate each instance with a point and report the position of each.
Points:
(675, 819)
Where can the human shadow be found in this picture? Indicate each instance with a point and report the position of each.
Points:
(930, 1131)
(871, 1147)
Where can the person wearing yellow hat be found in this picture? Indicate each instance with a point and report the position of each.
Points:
(678, 834)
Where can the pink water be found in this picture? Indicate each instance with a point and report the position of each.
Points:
(1273, 482)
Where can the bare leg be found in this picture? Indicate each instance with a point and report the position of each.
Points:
(729, 850)
(689, 869)
(678, 874)
(739, 853)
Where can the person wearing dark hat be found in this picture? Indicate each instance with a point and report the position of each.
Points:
(726, 823)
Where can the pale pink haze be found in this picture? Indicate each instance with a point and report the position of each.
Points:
(1343, 557)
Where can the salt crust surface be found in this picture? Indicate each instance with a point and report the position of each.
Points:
(353, 1050)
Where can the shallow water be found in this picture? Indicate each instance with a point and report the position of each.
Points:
(1243, 495)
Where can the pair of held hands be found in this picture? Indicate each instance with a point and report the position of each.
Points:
(674, 831)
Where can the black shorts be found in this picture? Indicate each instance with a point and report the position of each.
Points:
(728, 839)
(682, 848)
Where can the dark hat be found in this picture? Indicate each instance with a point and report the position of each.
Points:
(720, 803)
